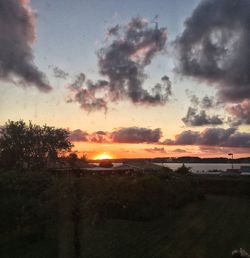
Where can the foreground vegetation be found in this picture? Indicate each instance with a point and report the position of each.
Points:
(53, 212)
(210, 228)
(156, 215)
(31, 146)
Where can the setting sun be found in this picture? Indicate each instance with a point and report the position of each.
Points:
(103, 155)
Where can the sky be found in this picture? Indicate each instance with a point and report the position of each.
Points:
(130, 78)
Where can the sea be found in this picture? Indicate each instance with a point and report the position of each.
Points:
(204, 167)
(199, 167)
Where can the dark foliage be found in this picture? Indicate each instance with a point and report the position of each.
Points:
(183, 170)
(106, 164)
(30, 146)
(53, 209)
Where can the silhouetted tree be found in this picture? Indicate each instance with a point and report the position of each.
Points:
(106, 163)
(31, 146)
(72, 159)
(84, 158)
(183, 170)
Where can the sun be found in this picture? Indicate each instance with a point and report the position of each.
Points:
(103, 155)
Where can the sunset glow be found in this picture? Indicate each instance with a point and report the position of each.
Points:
(103, 156)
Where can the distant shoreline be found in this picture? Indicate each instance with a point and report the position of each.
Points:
(187, 160)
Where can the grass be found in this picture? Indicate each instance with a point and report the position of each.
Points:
(210, 228)
(204, 229)
(38, 216)
(28, 247)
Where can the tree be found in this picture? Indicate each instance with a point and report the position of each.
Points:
(106, 163)
(183, 170)
(31, 146)
(84, 158)
(72, 159)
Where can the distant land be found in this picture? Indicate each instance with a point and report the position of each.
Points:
(185, 159)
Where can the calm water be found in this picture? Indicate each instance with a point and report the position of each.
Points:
(204, 167)
(197, 167)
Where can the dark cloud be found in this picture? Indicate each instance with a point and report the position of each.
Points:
(197, 113)
(88, 101)
(196, 118)
(123, 61)
(240, 113)
(99, 85)
(113, 31)
(239, 140)
(136, 135)
(162, 91)
(101, 132)
(86, 96)
(195, 101)
(97, 137)
(78, 82)
(212, 137)
(207, 102)
(121, 135)
(17, 34)
(78, 136)
(217, 136)
(59, 73)
(185, 138)
(223, 150)
(100, 137)
(156, 150)
(179, 151)
(214, 47)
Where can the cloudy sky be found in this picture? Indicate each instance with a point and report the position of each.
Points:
(130, 78)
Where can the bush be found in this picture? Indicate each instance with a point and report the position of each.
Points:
(24, 201)
(41, 207)
(135, 198)
(183, 170)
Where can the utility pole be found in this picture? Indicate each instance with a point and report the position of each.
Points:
(231, 154)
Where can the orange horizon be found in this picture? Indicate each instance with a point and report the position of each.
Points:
(99, 155)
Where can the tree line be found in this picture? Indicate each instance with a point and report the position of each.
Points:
(31, 146)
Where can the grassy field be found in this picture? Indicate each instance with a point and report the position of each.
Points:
(210, 228)
(205, 229)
